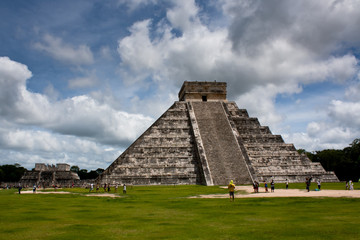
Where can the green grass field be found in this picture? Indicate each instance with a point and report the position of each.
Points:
(165, 212)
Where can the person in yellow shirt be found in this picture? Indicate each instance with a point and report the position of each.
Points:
(231, 188)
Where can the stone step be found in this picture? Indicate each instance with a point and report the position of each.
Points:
(161, 155)
(153, 180)
(253, 130)
(235, 111)
(153, 171)
(167, 141)
(285, 169)
(159, 159)
(261, 138)
(170, 132)
(245, 121)
(173, 124)
(162, 149)
(272, 154)
(255, 147)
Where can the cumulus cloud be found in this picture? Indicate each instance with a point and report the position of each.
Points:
(134, 4)
(78, 116)
(345, 113)
(203, 54)
(82, 82)
(353, 92)
(64, 52)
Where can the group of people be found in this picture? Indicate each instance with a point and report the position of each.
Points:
(256, 184)
(107, 187)
(308, 183)
(349, 185)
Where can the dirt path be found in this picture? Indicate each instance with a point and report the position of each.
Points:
(284, 193)
(247, 189)
(40, 192)
(61, 192)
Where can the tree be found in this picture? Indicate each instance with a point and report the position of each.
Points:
(83, 174)
(92, 174)
(75, 169)
(11, 173)
(345, 163)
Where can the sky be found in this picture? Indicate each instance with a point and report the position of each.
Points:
(81, 80)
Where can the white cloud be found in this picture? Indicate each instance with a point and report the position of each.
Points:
(345, 113)
(64, 52)
(183, 15)
(134, 4)
(78, 116)
(82, 82)
(105, 53)
(353, 92)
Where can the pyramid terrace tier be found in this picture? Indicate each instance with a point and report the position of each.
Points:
(166, 141)
(253, 130)
(261, 138)
(181, 179)
(161, 160)
(256, 147)
(288, 160)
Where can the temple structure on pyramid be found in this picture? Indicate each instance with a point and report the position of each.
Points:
(205, 139)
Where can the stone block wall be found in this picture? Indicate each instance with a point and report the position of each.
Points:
(269, 155)
(164, 154)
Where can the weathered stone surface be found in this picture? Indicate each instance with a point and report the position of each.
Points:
(204, 139)
(223, 153)
(49, 175)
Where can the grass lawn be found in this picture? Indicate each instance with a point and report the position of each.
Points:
(165, 212)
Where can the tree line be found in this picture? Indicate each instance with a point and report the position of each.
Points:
(345, 163)
(84, 174)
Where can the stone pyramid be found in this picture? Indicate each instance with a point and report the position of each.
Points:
(205, 139)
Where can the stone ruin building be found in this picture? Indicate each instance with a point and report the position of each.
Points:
(205, 139)
(49, 175)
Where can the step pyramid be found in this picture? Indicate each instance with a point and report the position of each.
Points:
(205, 139)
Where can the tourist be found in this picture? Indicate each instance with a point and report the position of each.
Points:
(287, 184)
(91, 187)
(319, 184)
(256, 186)
(116, 187)
(266, 187)
(272, 185)
(20, 187)
(347, 185)
(124, 189)
(109, 187)
(231, 188)
(308, 183)
(104, 187)
(34, 188)
(97, 187)
(351, 185)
